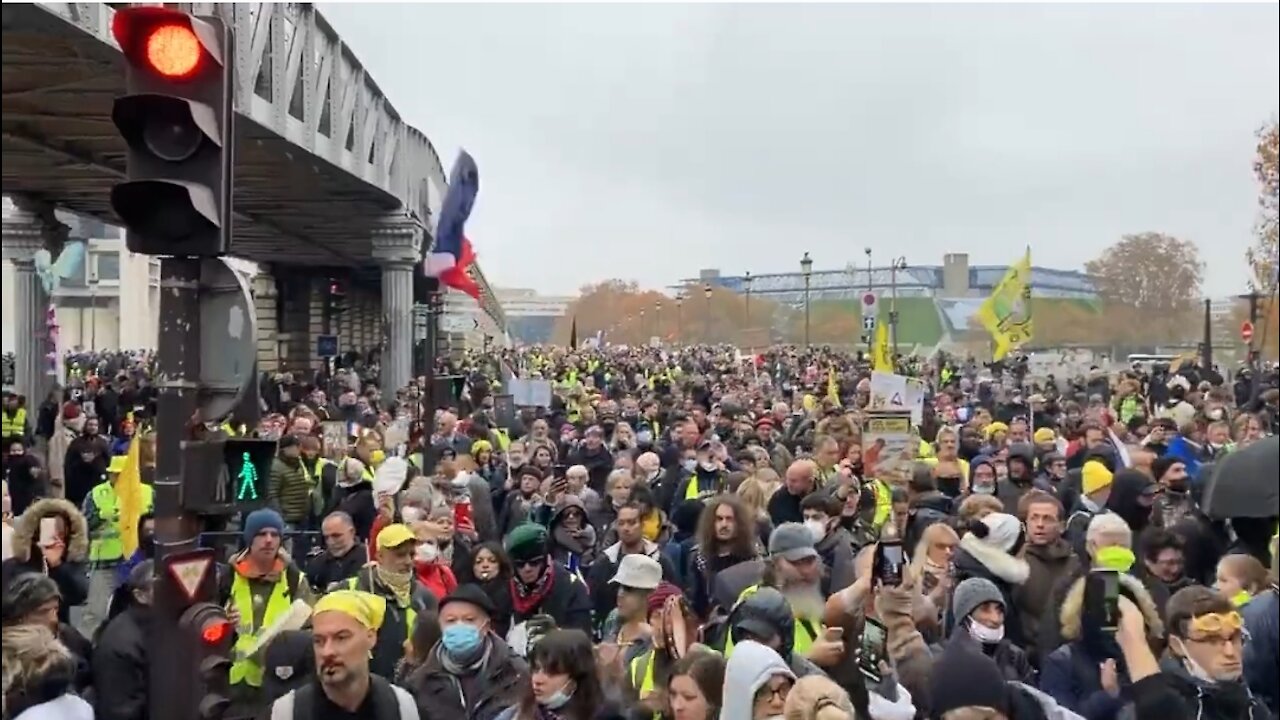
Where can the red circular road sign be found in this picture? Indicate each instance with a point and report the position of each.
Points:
(1246, 331)
(869, 299)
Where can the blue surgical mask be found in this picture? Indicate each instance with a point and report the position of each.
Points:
(460, 639)
(558, 700)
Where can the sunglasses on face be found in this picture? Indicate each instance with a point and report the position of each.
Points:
(535, 562)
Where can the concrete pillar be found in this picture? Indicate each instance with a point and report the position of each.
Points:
(265, 303)
(28, 228)
(398, 250)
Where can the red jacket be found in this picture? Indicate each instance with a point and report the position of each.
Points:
(437, 577)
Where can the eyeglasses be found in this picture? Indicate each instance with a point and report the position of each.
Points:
(769, 693)
(535, 562)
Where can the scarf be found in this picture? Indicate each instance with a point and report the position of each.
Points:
(401, 584)
(652, 526)
(464, 666)
(527, 598)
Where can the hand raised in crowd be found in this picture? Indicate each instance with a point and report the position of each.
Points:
(828, 650)
(54, 553)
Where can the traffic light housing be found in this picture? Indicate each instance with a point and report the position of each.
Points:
(335, 301)
(177, 119)
(226, 476)
(207, 631)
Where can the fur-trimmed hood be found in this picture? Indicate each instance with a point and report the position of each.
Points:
(1073, 607)
(27, 528)
(1002, 565)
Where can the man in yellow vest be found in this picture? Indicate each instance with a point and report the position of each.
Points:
(794, 568)
(13, 419)
(106, 546)
(392, 578)
(261, 586)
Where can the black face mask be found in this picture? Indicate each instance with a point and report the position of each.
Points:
(147, 544)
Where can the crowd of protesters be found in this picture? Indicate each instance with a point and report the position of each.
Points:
(684, 533)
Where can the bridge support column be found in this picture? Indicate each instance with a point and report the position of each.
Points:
(28, 228)
(398, 251)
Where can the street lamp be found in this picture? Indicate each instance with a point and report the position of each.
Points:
(746, 284)
(806, 269)
(871, 336)
(899, 263)
(706, 293)
(679, 319)
(657, 318)
(643, 329)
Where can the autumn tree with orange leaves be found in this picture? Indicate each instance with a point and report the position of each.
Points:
(1149, 284)
(626, 314)
(1264, 255)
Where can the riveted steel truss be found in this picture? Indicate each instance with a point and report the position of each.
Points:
(302, 88)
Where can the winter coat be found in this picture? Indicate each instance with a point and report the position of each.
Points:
(977, 558)
(1070, 673)
(1049, 565)
(1261, 653)
(65, 707)
(120, 666)
(836, 550)
(1210, 700)
(498, 685)
(567, 601)
(72, 576)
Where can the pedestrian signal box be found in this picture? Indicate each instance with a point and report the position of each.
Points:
(223, 477)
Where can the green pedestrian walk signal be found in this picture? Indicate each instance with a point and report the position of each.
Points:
(247, 479)
(226, 476)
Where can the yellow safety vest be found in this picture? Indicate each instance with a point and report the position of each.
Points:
(410, 615)
(884, 504)
(246, 669)
(504, 439)
(15, 426)
(642, 677)
(691, 491)
(108, 546)
(800, 641)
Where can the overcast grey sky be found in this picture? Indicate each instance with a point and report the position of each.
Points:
(649, 141)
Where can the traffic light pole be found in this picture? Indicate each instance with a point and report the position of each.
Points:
(177, 379)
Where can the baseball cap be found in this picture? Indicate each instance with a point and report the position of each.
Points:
(638, 571)
(792, 542)
(395, 535)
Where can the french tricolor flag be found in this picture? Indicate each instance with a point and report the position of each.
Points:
(452, 253)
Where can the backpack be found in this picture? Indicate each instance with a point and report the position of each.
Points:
(300, 704)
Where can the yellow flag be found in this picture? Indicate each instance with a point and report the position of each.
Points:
(833, 387)
(882, 356)
(1007, 313)
(129, 493)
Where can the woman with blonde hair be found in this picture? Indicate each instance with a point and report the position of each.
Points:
(931, 561)
(38, 675)
(755, 495)
(818, 698)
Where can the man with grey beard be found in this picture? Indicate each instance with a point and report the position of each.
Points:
(794, 568)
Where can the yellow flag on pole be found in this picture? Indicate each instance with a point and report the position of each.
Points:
(882, 356)
(833, 387)
(1006, 314)
(129, 493)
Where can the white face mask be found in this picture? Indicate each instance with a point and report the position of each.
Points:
(984, 634)
(690, 464)
(411, 515)
(427, 552)
(707, 465)
(817, 528)
(1194, 668)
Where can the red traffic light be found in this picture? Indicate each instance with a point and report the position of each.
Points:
(214, 633)
(173, 50)
(170, 43)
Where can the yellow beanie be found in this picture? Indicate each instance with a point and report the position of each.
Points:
(1043, 435)
(1094, 476)
(994, 428)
